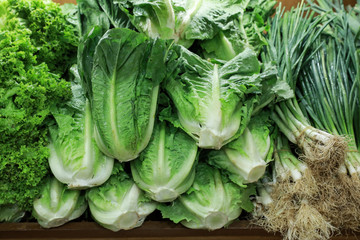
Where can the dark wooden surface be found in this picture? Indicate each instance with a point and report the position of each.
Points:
(150, 230)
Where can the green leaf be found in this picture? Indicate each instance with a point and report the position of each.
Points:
(91, 15)
(75, 159)
(85, 57)
(214, 101)
(58, 205)
(166, 168)
(11, 213)
(244, 159)
(155, 18)
(119, 203)
(117, 18)
(211, 203)
(247, 30)
(127, 70)
(183, 21)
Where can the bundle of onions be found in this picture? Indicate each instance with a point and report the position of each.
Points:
(290, 42)
(286, 203)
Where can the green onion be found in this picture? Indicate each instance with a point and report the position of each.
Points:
(290, 42)
(287, 202)
(328, 91)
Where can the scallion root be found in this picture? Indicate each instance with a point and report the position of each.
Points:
(325, 158)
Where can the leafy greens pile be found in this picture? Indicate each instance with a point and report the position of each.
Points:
(154, 96)
(196, 109)
(37, 44)
(315, 195)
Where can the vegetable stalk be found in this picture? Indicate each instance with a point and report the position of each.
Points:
(289, 45)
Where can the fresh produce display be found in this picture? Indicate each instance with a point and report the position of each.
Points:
(333, 74)
(75, 159)
(212, 202)
(182, 21)
(30, 85)
(245, 159)
(196, 110)
(321, 120)
(119, 203)
(11, 213)
(127, 70)
(58, 205)
(214, 100)
(166, 168)
(286, 196)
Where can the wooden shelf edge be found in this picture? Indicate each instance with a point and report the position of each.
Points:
(149, 230)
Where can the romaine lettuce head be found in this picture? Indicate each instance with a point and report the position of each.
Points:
(214, 100)
(155, 18)
(105, 14)
(33, 34)
(244, 160)
(58, 205)
(75, 159)
(119, 203)
(11, 213)
(85, 57)
(246, 31)
(166, 168)
(127, 70)
(71, 13)
(183, 21)
(211, 203)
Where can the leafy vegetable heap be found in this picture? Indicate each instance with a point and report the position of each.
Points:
(314, 196)
(36, 46)
(136, 55)
(212, 107)
(51, 34)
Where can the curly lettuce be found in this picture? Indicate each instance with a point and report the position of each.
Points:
(52, 35)
(30, 84)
